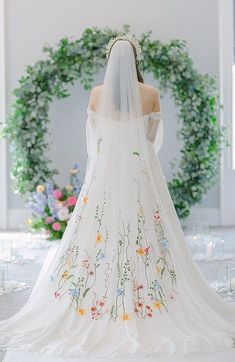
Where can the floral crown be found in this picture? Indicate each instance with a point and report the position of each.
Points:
(128, 37)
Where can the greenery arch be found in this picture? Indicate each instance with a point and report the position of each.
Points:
(195, 95)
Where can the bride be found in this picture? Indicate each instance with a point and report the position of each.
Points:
(122, 282)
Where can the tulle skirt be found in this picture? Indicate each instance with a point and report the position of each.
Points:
(122, 282)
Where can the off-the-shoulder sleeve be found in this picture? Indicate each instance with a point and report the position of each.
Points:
(155, 130)
(90, 135)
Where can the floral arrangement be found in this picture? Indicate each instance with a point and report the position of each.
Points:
(51, 206)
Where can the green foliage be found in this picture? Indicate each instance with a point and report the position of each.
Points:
(195, 95)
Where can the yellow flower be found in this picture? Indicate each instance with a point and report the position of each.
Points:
(74, 171)
(158, 269)
(85, 199)
(29, 221)
(80, 311)
(140, 251)
(40, 188)
(59, 204)
(125, 317)
(65, 274)
(157, 305)
(99, 238)
(69, 187)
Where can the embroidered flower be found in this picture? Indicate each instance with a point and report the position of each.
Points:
(56, 294)
(65, 274)
(158, 269)
(81, 311)
(75, 292)
(156, 215)
(164, 244)
(157, 305)
(147, 250)
(140, 251)
(156, 285)
(137, 287)
(125, 317)
(99, 238)
(85, 263)
(120, 291)
(85, 199)
(101, 256)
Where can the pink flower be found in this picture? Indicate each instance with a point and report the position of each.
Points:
(56, 294)
(56, 226)
(157, 215)
(71, 201)
(147, 249)
(57, 194)
(85, 263)
(48, 220)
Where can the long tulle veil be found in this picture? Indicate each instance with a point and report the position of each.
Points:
(120, 98)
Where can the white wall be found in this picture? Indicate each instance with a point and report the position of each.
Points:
(31, 23)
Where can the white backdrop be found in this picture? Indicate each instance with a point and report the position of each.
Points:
(31, 23)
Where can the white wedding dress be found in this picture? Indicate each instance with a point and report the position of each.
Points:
(122, 282)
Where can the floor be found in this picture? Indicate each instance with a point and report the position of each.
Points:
(11, 303)
(227, 356)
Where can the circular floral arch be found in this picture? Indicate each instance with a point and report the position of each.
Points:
(194, 94)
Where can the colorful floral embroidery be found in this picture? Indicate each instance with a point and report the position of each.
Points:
(78, 271)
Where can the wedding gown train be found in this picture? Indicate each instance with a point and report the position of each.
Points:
(122, 282)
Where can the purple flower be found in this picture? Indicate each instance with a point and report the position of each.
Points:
(75, 292)
(120, 291)
(52, 206)
(49, 187)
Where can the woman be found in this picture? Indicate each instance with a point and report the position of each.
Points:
(122, 282)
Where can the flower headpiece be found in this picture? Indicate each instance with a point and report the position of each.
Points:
(128, 37)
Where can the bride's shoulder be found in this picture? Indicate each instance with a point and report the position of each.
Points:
(97, 88)
(149, 88)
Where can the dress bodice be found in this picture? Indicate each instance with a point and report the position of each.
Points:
(153, 127)
(147, 116)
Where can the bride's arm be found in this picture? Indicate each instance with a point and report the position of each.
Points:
(155, 117)
(94, 97)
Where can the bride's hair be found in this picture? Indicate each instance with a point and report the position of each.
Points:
(139, 75)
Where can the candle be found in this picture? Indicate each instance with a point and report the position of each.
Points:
(232, 284)
(222, 246)
(209, 249)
